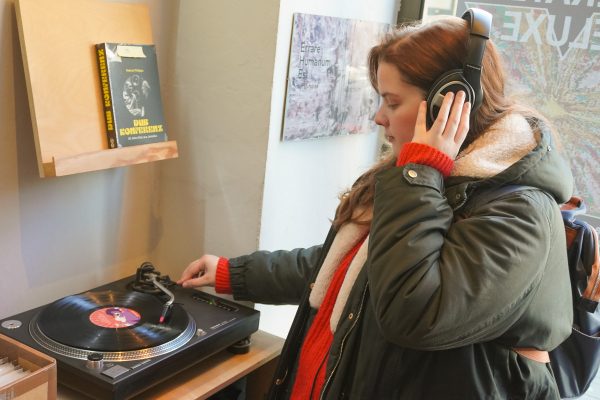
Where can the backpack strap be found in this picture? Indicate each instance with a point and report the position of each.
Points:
(575, 206)
(592, 291)
(579, 230)
(533, 354)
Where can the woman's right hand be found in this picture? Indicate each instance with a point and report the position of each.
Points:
(449, 129)
(200, 272)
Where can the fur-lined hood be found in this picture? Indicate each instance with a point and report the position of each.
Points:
(512, 151)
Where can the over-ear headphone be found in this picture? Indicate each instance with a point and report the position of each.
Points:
(467, 79)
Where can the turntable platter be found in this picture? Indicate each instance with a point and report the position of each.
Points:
(124, 325)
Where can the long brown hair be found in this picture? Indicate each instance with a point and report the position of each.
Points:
(422, 53)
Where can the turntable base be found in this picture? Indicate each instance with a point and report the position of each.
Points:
(216, 373)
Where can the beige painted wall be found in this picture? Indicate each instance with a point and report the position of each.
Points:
(64, 235)
(220, 93)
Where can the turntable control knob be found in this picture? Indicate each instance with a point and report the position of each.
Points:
(95, 361)
(11, 324)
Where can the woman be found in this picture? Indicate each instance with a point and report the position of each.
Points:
(428, 285)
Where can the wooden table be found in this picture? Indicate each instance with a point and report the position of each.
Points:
(215, 373)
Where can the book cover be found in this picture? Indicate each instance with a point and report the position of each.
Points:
(130, 94)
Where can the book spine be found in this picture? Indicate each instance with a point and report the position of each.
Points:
(107, 101)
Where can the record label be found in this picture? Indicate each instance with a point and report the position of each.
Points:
(115, 317)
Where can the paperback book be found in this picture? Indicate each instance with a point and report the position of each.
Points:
(130, 94)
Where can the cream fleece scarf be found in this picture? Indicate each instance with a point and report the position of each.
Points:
(502, 145)
(346, 238)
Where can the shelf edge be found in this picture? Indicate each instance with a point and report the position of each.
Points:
(111, 158)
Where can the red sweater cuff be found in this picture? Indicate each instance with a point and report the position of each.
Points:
(419, 153)
(222, 284)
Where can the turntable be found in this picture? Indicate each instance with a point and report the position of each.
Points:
(119, 339)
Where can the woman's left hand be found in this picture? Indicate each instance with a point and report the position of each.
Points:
(449, 129)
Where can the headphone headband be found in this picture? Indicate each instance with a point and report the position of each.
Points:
(480, 21)
(480, 25)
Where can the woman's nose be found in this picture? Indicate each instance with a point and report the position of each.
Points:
(380, 118)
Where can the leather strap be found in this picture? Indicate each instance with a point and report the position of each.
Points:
(592, 291)
(533, 354)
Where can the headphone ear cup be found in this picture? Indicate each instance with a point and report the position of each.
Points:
(452, 81)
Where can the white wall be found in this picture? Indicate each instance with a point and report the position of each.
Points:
(303, 179)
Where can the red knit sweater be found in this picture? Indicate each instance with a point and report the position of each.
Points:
(315, 349)
(423, 154)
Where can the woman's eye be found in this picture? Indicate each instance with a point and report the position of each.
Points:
(392, 106)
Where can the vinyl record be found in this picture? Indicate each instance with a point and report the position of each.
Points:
(111, 321)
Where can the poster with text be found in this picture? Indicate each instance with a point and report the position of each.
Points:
(551, 51)
(328, 88)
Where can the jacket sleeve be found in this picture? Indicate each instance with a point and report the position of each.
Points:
(438, 284)
(278, 277)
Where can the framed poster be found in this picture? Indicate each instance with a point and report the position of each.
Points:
(328, 88)
(552, 55)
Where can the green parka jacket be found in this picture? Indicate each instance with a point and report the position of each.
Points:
(450, 285)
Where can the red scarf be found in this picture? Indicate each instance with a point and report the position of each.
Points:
(310, 377)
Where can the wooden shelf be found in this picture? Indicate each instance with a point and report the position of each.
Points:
(61, 73)
(110, 158)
